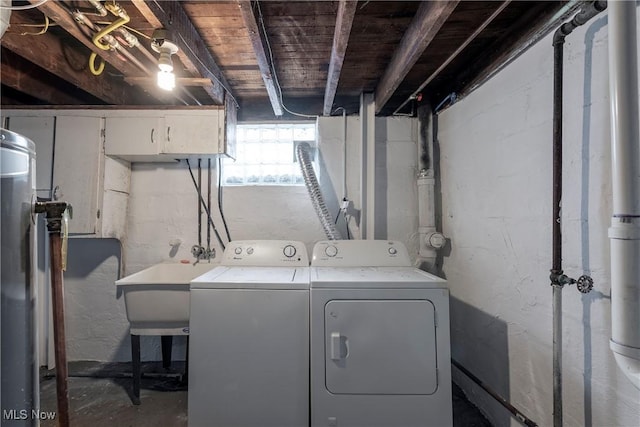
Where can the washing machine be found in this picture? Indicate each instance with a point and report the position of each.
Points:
(249, 338)
(380, 347)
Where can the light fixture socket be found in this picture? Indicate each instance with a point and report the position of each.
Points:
(166, 48)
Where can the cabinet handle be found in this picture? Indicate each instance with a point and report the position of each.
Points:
(152, 131)
(168, 133)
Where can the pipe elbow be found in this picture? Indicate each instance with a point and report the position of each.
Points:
(628, 360)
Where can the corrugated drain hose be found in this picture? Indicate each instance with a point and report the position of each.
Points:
(311, 182)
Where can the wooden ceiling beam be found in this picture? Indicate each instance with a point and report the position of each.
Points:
(193, 52)
(453, 56)
(531, 27)
(423, 28)
(344, 21)
(48, 52)
(263, 62)
(17, 75)
(180, 81)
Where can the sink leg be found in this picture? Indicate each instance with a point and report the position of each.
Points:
(135, 359)
(167, 343)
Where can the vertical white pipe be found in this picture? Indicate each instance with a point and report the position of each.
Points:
(625, 224)
(368, 171)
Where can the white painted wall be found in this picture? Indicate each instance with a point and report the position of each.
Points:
(163, 209)
(397, 169)
(496, 163)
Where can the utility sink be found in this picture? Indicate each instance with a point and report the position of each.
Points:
(157, 298)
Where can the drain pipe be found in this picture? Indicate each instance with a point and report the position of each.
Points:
(557, 277)
(430, 240)
(625, 223)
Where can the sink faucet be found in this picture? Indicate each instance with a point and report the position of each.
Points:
(200, 252)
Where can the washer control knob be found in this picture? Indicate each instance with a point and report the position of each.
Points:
(331, 251)
(393, 251)
(289, 251)
(238, 251)
(249, 250)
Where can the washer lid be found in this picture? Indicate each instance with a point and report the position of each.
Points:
(374, 277)
(253, 278)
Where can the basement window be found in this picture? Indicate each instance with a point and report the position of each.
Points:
(266, 154)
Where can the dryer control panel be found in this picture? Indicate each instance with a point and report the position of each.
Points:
(360, 253)
(269, 253)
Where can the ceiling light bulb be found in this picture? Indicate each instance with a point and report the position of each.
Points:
(166, 48)
(166, 79)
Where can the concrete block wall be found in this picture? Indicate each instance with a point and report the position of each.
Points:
(162, 227)
(496, 162)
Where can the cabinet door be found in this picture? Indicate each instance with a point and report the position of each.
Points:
(193, 134)
(77, 169)
(40, 131)
(133, 136)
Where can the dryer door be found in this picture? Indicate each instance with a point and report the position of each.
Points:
(380, 347)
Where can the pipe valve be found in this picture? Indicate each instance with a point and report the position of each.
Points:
(584, 284)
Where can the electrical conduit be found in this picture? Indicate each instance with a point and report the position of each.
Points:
(315, 193)
(625, 223)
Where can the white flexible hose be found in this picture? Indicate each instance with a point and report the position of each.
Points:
(310, 180)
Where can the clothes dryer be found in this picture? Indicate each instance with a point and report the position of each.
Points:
(249, 338)
(380, 349)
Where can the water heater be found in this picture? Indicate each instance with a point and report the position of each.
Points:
(19, 371)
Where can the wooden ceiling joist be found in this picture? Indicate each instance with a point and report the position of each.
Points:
(459, 49)
(344, 21)
(180, 81)
(47, 51)
(16, 74)
(250, 22)
(524, 33)
(425, 26)
(193, 52)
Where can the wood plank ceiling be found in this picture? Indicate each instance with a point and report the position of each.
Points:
(271, 57)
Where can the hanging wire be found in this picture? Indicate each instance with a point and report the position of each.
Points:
(195, 184)
(200, 205)
(273, 69)
(208, 201)
(25, 7)
(45, 27)
(224, 221)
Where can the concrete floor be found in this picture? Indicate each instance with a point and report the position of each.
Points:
(99, 396)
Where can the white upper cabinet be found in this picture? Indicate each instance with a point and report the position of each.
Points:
(194, 134)
(167, 135)
(134, 136)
